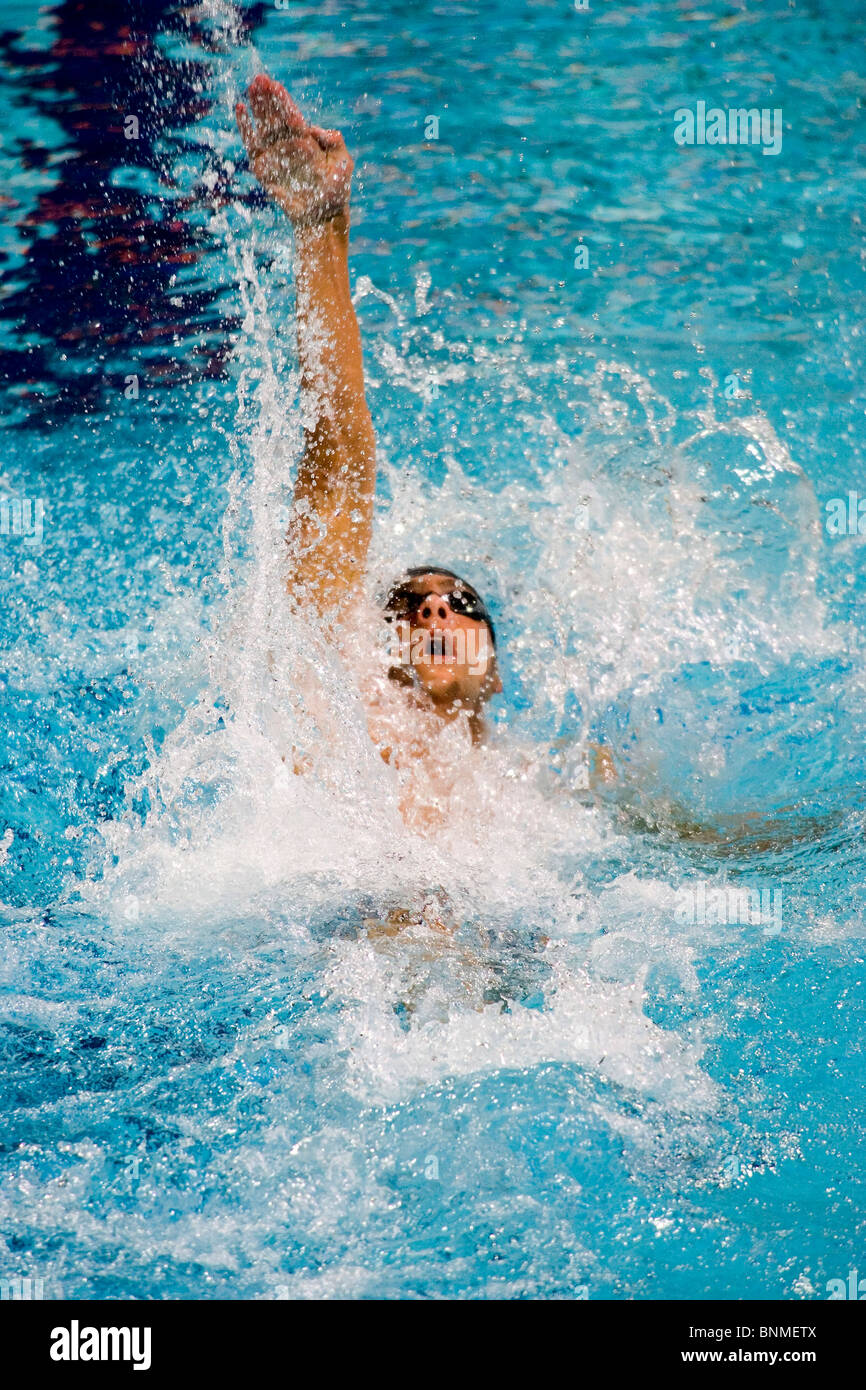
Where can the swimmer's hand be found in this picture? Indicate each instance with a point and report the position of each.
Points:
(305, 169)
(602, 769)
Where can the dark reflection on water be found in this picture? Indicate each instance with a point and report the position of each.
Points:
(96, 299)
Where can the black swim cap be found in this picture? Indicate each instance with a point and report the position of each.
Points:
(478, 609)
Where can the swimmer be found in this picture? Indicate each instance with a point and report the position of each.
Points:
(426, 712)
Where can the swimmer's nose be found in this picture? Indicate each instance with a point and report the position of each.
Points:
(434, 609)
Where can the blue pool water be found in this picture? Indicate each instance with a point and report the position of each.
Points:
(214, 1085)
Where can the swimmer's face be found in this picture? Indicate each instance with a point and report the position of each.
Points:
(449, 653)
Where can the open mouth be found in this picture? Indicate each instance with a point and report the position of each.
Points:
(442, 648)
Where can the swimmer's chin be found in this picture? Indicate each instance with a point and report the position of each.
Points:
(441, 683)
(437, 679)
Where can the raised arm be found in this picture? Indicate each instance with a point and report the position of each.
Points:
(308, 172)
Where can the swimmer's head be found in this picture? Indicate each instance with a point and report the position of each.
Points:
(443, 637)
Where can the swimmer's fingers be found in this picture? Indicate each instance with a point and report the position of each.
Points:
(245, 126)
(274, 111)
(327, 139)
(278, 118)
(307, 169)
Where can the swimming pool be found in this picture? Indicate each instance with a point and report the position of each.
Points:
(214, 1085)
